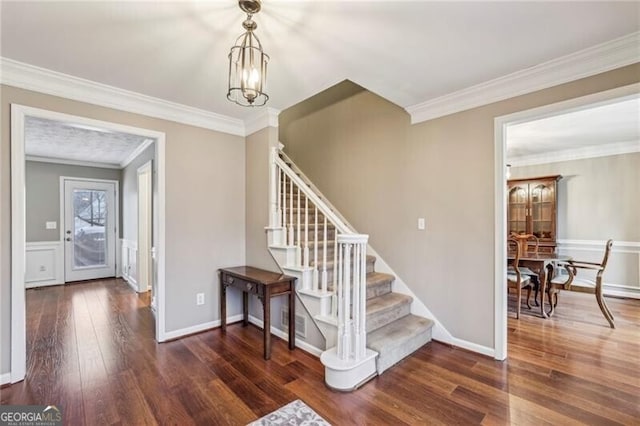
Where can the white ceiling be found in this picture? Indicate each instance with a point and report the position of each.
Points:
(606, 127)
(406, 51)
(49, 139)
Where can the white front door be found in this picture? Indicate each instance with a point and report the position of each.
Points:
(89, 229)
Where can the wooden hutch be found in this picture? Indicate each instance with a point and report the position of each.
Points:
(532, 209)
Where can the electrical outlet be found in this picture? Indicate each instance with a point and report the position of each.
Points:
(421, 223)
(43, 268)
(200, 299)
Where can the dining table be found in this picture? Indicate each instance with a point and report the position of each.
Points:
(542, 264)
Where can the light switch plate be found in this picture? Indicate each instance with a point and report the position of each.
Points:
(51, 225)
(421, 223)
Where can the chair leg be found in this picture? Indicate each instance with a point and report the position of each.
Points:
(519, 302)
(553, 294)
(529, 297)
(604, 308)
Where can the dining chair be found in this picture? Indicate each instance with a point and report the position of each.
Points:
(528, 244)
(515, 279)
(585, 284)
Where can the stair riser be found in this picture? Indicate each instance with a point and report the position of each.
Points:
(379, 289)
(380, 319)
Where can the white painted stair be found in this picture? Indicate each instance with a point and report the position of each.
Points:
(303, 239)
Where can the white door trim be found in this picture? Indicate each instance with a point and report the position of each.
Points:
(63, 217)
(18, 231)
(500, 125)
(145, 170)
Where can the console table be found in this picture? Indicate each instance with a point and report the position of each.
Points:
(265, 285)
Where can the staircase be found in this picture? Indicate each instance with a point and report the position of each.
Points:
(367, 327)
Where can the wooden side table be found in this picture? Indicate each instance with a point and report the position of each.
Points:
(265, 285)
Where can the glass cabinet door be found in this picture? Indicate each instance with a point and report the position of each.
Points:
(517, 209)
(542, 211)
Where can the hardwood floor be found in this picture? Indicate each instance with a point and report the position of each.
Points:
(91, 352)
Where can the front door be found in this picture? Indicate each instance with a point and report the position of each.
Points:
(89, 229)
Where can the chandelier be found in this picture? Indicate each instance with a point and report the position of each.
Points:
(248, 62)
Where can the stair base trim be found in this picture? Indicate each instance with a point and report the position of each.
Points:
(346, 376)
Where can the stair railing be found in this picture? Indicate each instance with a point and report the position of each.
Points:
(348, 292)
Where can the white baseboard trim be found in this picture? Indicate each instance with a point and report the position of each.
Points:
(5, 378)
(621, 291)
(132, 283)
(285, 336)
(176, 334)
(470, 346)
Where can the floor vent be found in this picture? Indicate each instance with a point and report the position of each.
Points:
(301, 322)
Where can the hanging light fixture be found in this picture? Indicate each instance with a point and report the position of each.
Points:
(248, 62)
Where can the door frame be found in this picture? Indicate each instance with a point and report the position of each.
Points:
(500, 146)
(63, 217)
(18, 219)
(146, 168)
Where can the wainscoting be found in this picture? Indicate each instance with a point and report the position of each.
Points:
(129, 261)
(622, 276)
(44, 264)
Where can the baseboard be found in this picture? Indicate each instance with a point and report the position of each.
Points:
(5, 379)
(621, 291)
(470, 346)
(132, 283)
(176, 334)
(285, 336)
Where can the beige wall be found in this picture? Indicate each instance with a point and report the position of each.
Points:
(383, 173)
(205, 209)
(598, 199)
(43, 195)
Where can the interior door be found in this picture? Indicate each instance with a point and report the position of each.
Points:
(89, 229)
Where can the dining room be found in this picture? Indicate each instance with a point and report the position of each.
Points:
(573, 203)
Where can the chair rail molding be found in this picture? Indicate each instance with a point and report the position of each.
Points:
(44, 264)
(621, 247)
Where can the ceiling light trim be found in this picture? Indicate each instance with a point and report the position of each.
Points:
(605, 150)
(25, 76)
(584, 63)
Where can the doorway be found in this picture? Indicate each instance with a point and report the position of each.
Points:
(501, 125)
(90, 228)
(19, 116)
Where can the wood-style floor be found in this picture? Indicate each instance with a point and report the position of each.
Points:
(91, 351)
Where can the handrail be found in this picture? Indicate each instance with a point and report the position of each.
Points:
(317, 201)
(315, 190)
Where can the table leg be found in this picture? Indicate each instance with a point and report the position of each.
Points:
(223, 305)
(266, 308)
(245, 308)
(292, 317)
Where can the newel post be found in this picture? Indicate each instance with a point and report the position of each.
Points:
(350, 364)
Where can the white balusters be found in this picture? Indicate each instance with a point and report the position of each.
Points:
(273, 196)
(324, 257)
(315, 249)
(298, 242)
(306, 233)
(352, 337)
(291, 236)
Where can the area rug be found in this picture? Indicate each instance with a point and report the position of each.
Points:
(295, 413)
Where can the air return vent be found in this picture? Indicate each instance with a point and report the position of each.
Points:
(301, 322)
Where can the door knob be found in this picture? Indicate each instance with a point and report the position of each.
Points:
(68, 239)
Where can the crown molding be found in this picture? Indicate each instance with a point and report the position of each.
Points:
(144, 145)
(584, 63)
(603, 150)
(29, 77)
(265, 117)
(72, 162)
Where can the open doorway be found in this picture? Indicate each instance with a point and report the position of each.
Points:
(81, 217)
(564, 241)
